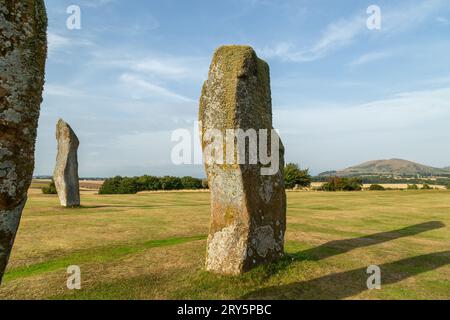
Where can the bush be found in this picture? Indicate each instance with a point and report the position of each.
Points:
(171, 183)
(128, 186)
(413, 187)
(448, 186)
(148, 183)
(342, 184)
(426, 187)
(110, 186)
(376, 187)
(294, 176)
(50, 189)
(190, 183)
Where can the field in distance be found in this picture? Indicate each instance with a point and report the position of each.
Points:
(152, 246)
(401, 186)
(86, 186)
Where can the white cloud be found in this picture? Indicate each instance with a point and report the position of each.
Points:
(135, 82)
(61, 91)
(401, 19)
(341, 33)
(411, 125)
(97, 3)
(405, 109)
(335, 36)
(149, 64)
(162, 67)
(370, 57)
(57, 42)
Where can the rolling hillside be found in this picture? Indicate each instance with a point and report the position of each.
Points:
(392, 167)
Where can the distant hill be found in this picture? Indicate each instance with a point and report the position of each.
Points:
(392, 167)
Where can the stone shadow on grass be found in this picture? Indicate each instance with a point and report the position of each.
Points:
(337, 247)
(350, 283)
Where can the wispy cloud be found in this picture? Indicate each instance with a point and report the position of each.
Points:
(57, 42)
(61, 91)
(178, 68)
(370, 57)
(335, 36)
(402, 110)
(404, 18)
(97, 3)
(149, 64)
(408, 125)
(137, 82)
(343, 32)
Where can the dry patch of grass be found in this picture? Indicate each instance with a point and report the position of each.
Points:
(152, 246)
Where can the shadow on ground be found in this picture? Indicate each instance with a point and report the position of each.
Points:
(347, 284)
(336, 247)
(350, 283)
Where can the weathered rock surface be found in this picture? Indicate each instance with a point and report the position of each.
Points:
(23, 49)
(66, 169)
(248, 210)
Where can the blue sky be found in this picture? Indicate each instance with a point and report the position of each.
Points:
(342, 93)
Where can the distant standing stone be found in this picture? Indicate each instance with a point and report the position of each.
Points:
(66, 170)
(248, 210)
(23, 49)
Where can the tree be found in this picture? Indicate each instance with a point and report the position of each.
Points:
(110, 186)
(50, 189)
(190, 183)
(148, 183)
(376, 187)
(171, 183)
(128, 186)
(294, 176)
(342, 184)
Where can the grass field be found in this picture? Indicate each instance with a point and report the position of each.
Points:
(152, 246)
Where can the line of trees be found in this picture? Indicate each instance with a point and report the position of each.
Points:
(294, 177)
(126, 185)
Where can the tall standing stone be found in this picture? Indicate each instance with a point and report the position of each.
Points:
(248, 209)
(66, 169)
(23, 49)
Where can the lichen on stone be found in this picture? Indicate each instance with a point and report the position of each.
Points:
(23, 49)
(246, 208)
(66, 168)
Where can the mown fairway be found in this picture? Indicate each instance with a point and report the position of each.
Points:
(152, 246)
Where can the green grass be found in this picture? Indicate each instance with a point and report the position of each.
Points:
(153, 247)
(101, 254)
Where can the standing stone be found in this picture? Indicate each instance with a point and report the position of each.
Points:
(66, 169)
(23, 49)
(248, 209)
